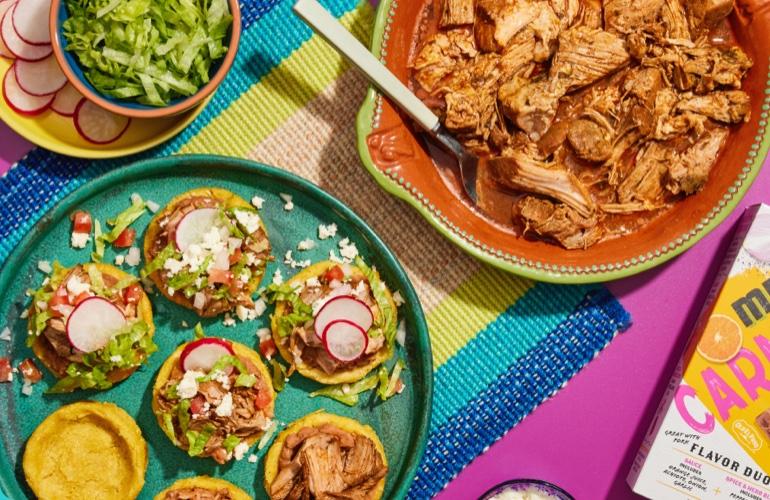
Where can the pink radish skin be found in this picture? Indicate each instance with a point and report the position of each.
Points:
(20, 101)
(5, 6)
(203, 353)
(30, 21)
(93, 323)
(43, 77)
(97, 125)
(193, 226)
(18, 47)
(66, 101)
(345, 341)
(347, 308)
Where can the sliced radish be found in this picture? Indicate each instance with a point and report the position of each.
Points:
(20, 101)
(194, 225)
(18, 47)
(42, 77)
(98, 125)
(66, 101)
(345, 341)
(93, 323)
(5, 6)
(30, 20)
(203, 353)
(347, 308)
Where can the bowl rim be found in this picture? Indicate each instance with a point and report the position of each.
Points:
(396, 185)
(514, 482)
(162, 112)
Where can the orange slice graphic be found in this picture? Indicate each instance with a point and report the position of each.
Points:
(721, 340)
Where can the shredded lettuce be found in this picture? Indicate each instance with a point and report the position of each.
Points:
(124, 219)
(386, 323)
(197, 440)
(148, 51)
(279, 375)
(387, 385)
(198, 332)
(347, 393)
(156, 264)
(168, 427)
(300, 313)
(230, 442)
(268, 435)
(98, 254)
(97, 283)
(183, 414)
(244, 378)
(128, 349)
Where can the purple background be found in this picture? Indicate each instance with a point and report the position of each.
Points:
(585, 438)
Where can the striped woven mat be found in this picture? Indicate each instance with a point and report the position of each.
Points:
(501, 344)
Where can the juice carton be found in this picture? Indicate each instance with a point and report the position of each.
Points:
(710, 437)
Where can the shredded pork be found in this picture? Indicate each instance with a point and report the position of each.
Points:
(588, 111)
(327, 462)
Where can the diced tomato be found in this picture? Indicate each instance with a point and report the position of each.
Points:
(30, 371)
(125, 239)
(80, 298)
(81, 222)
(59, 298)
(235, 256)
(220, 276)
(335, 273)
(262, 400)
(196, 404)
(5, 370)
(133, 293)
(267, 348)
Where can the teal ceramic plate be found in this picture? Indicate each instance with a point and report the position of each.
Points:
(401, 422)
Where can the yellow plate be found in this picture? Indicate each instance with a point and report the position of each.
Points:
(57, 133)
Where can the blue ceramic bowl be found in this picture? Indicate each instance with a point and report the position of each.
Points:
(72, 69)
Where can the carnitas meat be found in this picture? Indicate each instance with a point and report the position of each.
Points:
(327, 462)
(557, 221)
(588, 110)
(457, 13)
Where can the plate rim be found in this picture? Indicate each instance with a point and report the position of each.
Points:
(395, 186)
(167, 164)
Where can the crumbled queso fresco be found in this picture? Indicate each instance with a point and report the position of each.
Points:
(306, 244)
(288, 203)
(257, 202)
(326, 232)
(79, 240)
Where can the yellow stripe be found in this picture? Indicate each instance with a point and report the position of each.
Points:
(282, 92)
(470, 308)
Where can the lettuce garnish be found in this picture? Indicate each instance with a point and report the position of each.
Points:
(300, 313)
(128, 349)
(147, 51)
(386, 323)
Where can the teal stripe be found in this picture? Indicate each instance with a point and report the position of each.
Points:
(263, 46)
(509, 337)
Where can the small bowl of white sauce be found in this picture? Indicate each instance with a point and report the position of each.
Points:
(526, 489)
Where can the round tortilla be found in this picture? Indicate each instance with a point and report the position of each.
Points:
(228, 200)
(344, 376)
(58, 365)
(241, 351)
(86, 447)
(210, 483)
(318, 419)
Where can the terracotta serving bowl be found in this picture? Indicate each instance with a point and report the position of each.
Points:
(71, 68)
(398, 158)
